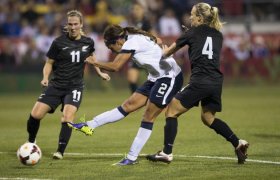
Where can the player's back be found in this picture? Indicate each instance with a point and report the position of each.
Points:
(147, 54)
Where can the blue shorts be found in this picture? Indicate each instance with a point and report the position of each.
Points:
(162, 90)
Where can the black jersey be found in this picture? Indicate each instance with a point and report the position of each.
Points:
(205, 45)
(69, 56)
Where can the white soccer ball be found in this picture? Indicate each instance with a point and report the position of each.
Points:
(29, 154)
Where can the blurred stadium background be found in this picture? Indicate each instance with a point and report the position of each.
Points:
(251, 51)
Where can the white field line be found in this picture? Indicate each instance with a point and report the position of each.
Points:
(176, 156)
(19, 178)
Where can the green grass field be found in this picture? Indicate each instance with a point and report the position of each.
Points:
(252, 112)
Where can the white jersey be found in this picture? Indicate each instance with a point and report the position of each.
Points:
(147, 54)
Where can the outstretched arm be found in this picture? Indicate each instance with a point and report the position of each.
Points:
(103, 75)
(116, 65)
(167, 51)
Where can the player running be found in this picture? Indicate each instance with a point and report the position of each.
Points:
(66, 61)
(205, 42)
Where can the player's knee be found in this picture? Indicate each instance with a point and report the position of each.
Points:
(67, 118)
(37, 114)
(207, 121)
(128, 106)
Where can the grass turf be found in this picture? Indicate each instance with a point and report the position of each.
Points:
(252, 113)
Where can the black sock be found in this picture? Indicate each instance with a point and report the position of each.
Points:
(32, 128)
(223, 129)
(133, 87)
(170, 132)
(64, 136)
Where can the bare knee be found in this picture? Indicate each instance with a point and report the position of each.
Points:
(207, 119)
(37, 114)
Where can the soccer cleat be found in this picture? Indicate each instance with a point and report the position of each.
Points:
(241, 151)
(57, 155)
(83, 127)
(125, 162)
(160, 156)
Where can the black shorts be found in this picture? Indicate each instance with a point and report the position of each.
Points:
(208, 95)
(162, 90)
(53, 97)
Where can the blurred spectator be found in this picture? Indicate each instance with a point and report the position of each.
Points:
(11, 27)
(28, 12)
(33, 56)
(169, 24)
(43, 40)
(28, 30)
(259, 48)
(7, 55)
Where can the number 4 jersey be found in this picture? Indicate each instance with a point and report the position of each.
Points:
(69, 56)
(205, 45)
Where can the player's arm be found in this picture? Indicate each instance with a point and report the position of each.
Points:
(167, 51)
(103, 75)
(47, 71)
(115, 65)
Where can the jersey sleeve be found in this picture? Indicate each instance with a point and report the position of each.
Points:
(53, 51)
(91, 46)
(184, 38)
(129, 46)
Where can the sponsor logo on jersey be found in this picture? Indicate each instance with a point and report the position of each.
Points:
(65, 48)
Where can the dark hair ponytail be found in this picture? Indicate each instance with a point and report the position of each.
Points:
(132, 30)
(114, 32)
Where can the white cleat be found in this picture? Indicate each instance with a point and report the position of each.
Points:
(57, 155)
(160, 156)
(241, 151)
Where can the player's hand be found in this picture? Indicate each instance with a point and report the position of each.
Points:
(90, 60)
(45, 82)
(105, 76)
(164, 50)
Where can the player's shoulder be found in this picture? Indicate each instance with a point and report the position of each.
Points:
(87, 39)
(62, 37)
(205, 29)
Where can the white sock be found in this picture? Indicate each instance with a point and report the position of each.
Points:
(140, 140)
(106, 117)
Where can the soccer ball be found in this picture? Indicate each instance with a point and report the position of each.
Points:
(29, 154)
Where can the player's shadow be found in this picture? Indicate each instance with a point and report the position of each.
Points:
(268, 136)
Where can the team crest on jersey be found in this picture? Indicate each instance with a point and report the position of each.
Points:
(84, 48)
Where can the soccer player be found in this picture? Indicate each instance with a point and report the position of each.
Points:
(165, 79)
(139, 21)
(205, 42)
(66, 61)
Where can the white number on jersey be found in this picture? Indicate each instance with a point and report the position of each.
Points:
(208, 48)
(76, 95)
(75, 56)
(162, 88)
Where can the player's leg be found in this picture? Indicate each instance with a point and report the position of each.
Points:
(132, 78)
(221, 128)
(137, 100)
(211, 105)
(181, 103)
(143, 134)
(161, 94)
(70, 104)
(134, 102)
(145, 130)
(69, 112)
(46, 103)
(33, 123)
